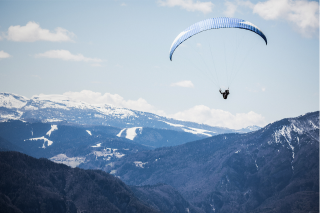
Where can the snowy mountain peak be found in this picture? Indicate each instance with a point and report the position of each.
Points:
(67, 103)
(299, 125)
(290, 132)
(249, 129)
(10, 101)
(58, 108)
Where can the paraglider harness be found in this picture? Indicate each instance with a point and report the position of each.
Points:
(225, 93)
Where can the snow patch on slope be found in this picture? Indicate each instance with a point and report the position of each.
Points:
(139, 164)
(131, 133)
(175, 125)
(52, 120)
(97, 145)
(288, 132)
(45, 140)
(285, 132)
(114, 111)
(53, 127)
(119, 134)
(9, 117)
(108, 152)
(195, 131)
(72, 162)
(313, 125)
(30, 108)
(198, 131)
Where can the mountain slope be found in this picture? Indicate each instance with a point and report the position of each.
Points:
(90, 147)
(274, 169)
(157, 137)
(8, 146)
(163, 198)
(87, 147)
(33, 185)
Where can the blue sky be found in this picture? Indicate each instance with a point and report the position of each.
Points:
(117, 52)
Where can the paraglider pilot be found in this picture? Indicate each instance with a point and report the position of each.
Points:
(225, 93)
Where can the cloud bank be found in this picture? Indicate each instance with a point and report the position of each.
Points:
(231, 9)
(303, 14)
(189, 5)
(67, 56)
(199, 114)
(188, 84)
(218, 117)
(33, 32)
(4, 54)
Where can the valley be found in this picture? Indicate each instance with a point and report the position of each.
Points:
(269, 169)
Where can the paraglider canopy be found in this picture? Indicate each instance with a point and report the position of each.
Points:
(214, 23)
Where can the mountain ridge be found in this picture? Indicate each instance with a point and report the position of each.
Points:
(64, 109)
(39, 185)
(238, 172)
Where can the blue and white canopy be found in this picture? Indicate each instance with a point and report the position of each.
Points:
(214, 23)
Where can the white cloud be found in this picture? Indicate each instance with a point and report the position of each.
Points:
(96, 65)
(37, 76)
(183, 84)
(118, 66)
(245, 3)
(218, 117)
(96, 82)
(123, 4)
(256, 88)
(189, 5)
(33, 32)
(4, 54)
(302, 14)
(66, 56)
(231, 9)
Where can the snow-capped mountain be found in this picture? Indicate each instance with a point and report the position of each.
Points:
(248, 129)
(274, 169)
(10, 101)
(59, 108)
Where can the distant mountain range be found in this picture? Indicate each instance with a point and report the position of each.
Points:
(59, 109)
(170, 165)
(274, 169)
(92, 147)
